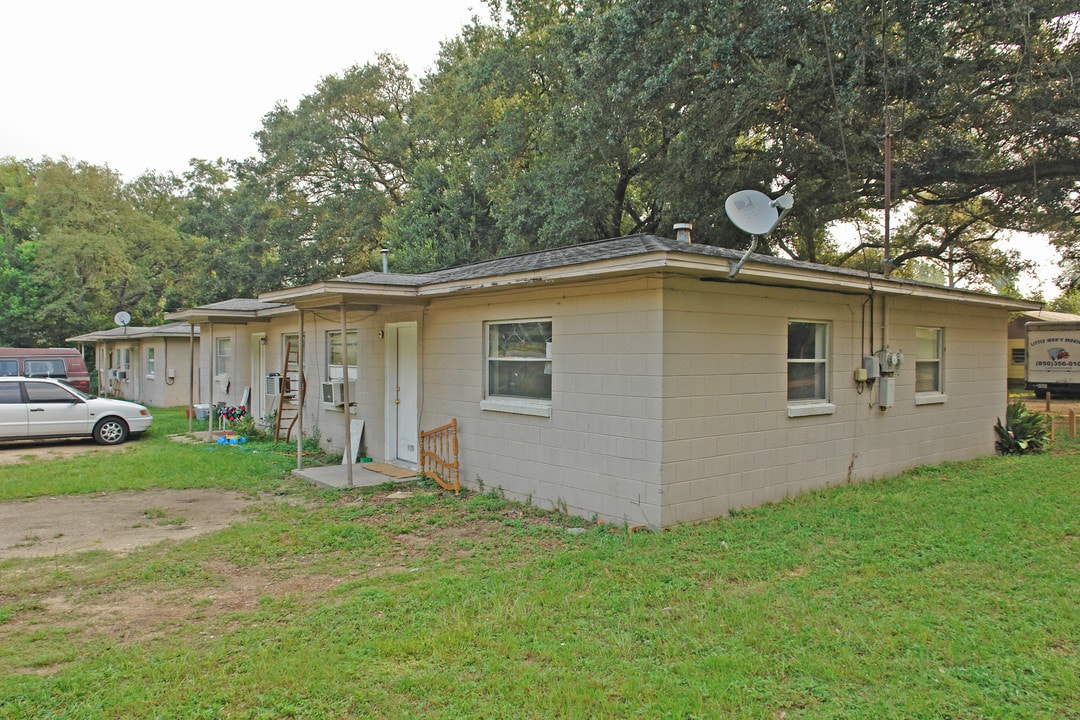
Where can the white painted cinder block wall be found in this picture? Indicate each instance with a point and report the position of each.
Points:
(599, 453)
(368, 392)
(728, 440)
(174, 353)
(669, 396)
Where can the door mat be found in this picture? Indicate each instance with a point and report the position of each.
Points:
(391, 470)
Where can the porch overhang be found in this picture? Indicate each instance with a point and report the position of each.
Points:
(335, 301)
(205, 315)
(334, 293)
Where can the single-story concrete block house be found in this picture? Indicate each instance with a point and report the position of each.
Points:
(638, 380)
(234, 352)
(150, 365)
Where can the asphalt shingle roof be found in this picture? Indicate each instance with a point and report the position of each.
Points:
(600, 250)
(240, 305)
(175, 329)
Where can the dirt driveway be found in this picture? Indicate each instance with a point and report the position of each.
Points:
(15, 453)
(117, 522)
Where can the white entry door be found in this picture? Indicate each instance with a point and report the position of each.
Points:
(402, 398)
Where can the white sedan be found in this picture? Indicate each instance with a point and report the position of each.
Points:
(32, 408)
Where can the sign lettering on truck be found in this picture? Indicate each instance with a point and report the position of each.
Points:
(1053, 357)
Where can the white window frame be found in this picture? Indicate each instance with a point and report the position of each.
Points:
(929, 396)
(352, 356)
(286, 338)
(121, 359)
(223, 355)
(291, 383)
(151, 363)
(802, 407)
(523, 405)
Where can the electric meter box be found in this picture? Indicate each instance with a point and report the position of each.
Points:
(872, 367)
(890, 360)
(886, 392)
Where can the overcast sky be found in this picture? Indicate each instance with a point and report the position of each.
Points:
(141, 85)
(137, 84)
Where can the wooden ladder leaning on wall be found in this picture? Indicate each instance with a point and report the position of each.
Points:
(439, 456)
(289, 407)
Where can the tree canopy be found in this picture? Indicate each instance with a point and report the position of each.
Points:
(77, 246)
(553, 122)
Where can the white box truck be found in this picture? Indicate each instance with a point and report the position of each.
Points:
(1052, 359)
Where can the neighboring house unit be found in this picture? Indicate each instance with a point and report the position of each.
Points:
(1017, 339)
(148, 365)
(635, 380)
(233, 350)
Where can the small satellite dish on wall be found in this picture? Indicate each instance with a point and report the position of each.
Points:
(756, 214)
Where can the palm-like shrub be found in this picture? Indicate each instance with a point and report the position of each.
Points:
(1024, 431)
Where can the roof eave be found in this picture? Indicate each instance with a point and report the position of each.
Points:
(844, 283)
(711, 267)
(354, 294)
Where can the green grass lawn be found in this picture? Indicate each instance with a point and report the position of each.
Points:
(951, 591)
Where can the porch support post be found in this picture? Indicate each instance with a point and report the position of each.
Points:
(300, 395)
(349, 459)
(213, 372)
(191, 378)
(103, 387)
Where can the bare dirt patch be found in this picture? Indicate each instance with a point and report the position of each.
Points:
(1058, 406)
(117, 522)
(17, 453)
(225, 593)
(1059, 411)
(137, 615)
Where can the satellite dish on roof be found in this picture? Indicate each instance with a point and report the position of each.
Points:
(755, 213)
(751, 212)
(122, 319)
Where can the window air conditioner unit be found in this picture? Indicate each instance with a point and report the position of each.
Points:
(333, 394)
(273, 384)
(118, 374)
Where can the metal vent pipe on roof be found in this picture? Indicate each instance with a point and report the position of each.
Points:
(683, 231)
(385, 264)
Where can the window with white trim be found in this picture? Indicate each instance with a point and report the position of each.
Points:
(290, 340)
(121, 359)
(223, 359)
(334, 369)
(928, 354)
(150, 362)
(807, 361)
(519, 360)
